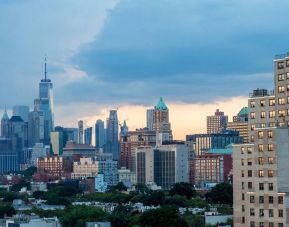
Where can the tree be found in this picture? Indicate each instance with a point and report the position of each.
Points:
(221, 193)
(141, 188)
(38, 194)
(154, 198)
(6, 210)
(17, 187)
(184, 189)
(165, 216)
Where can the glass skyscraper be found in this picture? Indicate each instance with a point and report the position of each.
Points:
(99, 134)
(112, 144)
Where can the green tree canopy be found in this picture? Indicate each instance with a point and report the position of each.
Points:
(221, 193)
(184, 189)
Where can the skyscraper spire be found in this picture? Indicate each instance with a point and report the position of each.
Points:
(45, 72)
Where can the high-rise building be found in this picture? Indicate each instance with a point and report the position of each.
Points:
(56, 143)
(240, 124)
(99, 134)
(8, 157)
(112, 143)
(39, 151)
(21, 111)
(5, 124)
(80, 132)
(164, 165)
(88, 136)
(35, 127)
(150, 119)
(73, 149)
(44, 103)
(161, 123)
(217, 123)
(109, 169)
(260, 168)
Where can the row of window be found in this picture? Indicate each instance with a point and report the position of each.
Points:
(262, 103)
(261, 224)
(261, 161)
(261, 187)
(270, 213)
(281, 89)
(261, 173)
(272, 113)
(269, 198)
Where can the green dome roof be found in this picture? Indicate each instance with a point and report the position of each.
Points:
(243, 111)
(161, 105)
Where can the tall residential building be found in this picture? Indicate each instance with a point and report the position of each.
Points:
(80, 132)
(88, 136)
(161, 123)
(240, 124)
(21, 111)
(217, 123)
(260, 168)
(35, 127)
(164, 165)
(129, 143)
(109, 169)
(112, 143)
(150, 119)
(44, 103)
(99, 134)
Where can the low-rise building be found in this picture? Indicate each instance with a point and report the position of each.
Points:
(127, 177)
(84, 168)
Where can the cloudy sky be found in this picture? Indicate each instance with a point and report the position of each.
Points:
(199, 55)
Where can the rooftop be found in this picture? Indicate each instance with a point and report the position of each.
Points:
(161, 105)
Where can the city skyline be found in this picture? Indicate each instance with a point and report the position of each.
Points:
(183, 64)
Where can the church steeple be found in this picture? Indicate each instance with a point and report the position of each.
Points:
(5, 116)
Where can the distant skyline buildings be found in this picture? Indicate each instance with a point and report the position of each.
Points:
(112, 136)
(217, 123)
(80, 132)
(22, 111)
(88, 136)
(100, 136)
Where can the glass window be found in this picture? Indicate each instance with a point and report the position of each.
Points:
(249, 173)
(280, 199)
(287, 99)
(253, 115)
(243, 219)
(260, 160)
(261, 212)
(270, 187)
(281, 113)
(272, 113)
(280, 65)
(280, 213)
(252, 199)
(271, 213)
(270, 134)
(243, 185)
(252, 104)
(261, 186)
(242, 150)
(253, 126)
(270, 147)
(270, 173)
(271, 199)
(261, 224)
(260, 147)
(242, 162)
(250, 185)
(261, 173)
(270, 160)
(281, 101)
(281, 89)
(242, 172)
(280, 224)
(252, 138)
(263, 114)
(262, 103)
(287, 86)
(249, 150)
(287, 65)
(243, 208)
(260, 135)
(261, 199)
(252, 212)
(271, 102)
(252, 224)
(271, 224)
(249, 162)
(243, 196)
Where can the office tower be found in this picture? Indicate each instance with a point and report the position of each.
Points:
(217, 123)
(150, 119)
(35, 127)
(240, 124)
(109, 169)
(80, 132)
(127, 177)
(112, 144)
(39, 151)
(130, 141)
(161, 122)
(99, 134)
(44, 104)
(56, 143)
(8, 157)
(261, 179)
(164, 165)
(21, 111)
(88, 136)
(203, 142)
(5, 124)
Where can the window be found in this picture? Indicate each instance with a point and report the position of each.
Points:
(270, 134)
(263, 114)
(281, 101)
(243, 208)
(250, 173)
(252, 104)
(280, 224)
(261, 212)
(261, 224)
(280, 199)
(271, 199)
(260, 135)
(271, 102)
(270, 187)
(252, 199)
(262, 103)
(260, 160)
(261, 186)
(253, 115)
(252, 138)
(252, 212)
(281, 89)
(270, 147)
(287, 99)
(270, 173)
(270, 160)
(281, 113)
(243, 196)
(263, 125)
(249, 162)
(280, 65)
(260, 147)
(250, 185)
(261, 199)
(243, 187)
(287, 86)
(249, 150)
(271, 213)
(280, 213)
(287, 65)
(242, 173)
(253, 126)
(272, 113)
(242, 150)
(271, 224)
(243, 219)
(252, 224)
(242, 162)
(261, 173)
